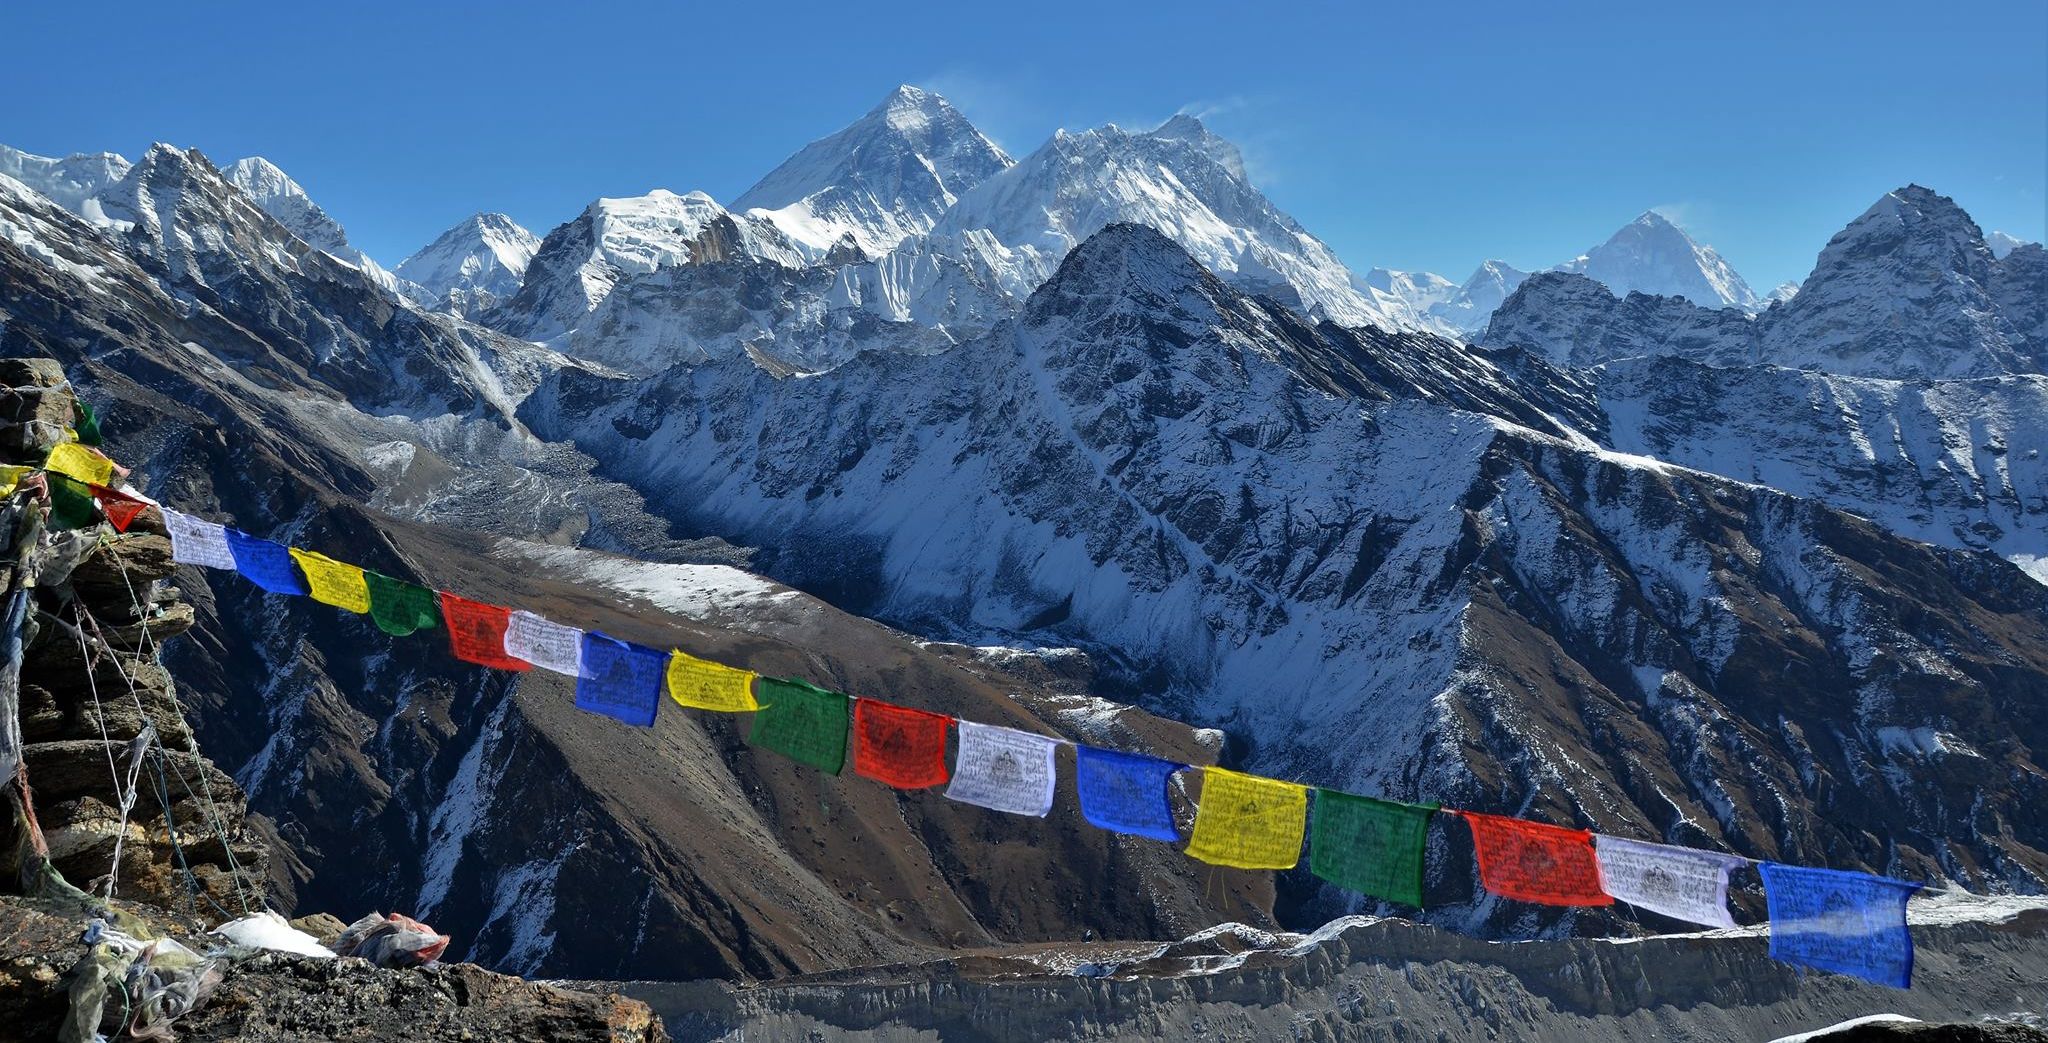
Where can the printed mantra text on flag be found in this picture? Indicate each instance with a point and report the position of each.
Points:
(82, 464)
(400, 608)
(544, 643)
(1371, 846)
(476, 632)
(1126, 792)
(903, 747)
(336, 583)
(620, 679)
(704, 685)
(1835, 920)
(198, 542)
(803, 722)
(1248, 822)
(1534, 862)
(1003, 769)
(266, 564)
(1678, 882)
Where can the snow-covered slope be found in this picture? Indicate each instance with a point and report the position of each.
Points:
(287, 201)
(473, 265)
(1654, 256)
(1467, 309)
(69, 181)
(579, 262)
(887, 176)
(1421, 291)
(1906, 291)
(1999, 242)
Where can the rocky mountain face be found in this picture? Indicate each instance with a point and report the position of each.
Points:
(1908, 291)
(1410, 553)
(471, 267)
(887, 176)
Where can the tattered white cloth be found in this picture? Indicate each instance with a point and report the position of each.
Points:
(1003, 769)
(544, 643)
(1677, 881)
(197, 542)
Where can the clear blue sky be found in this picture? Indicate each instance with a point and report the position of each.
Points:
(1406, 135)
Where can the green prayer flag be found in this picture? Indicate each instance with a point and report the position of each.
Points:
(71, 505)
(399, 608)
(1371, 846)
(85, 423)
(801, 721)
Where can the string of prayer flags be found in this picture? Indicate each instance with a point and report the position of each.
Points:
(544, 643)
(1248, 822)
(705, 685)
(85, 423)
(1126, 792)
(1678, 882)
(80, 464)
(803, 722)
(1003, 769)
(400, 608)
(1835, 920)
(336, 583)
(620, 679)
(1371, 846)
(476, 632)
(897, 745)
(266, 564)
(71, 504)
(198, 542)
(1534, 862)
(121, 509)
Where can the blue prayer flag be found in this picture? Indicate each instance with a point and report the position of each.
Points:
(1125, 792)
(266, 564)
(1835, 920)
(620, 679)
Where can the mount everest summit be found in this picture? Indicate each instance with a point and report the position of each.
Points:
(1643, 555)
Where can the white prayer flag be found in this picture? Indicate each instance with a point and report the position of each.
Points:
(544, 643)
(1003, 769)
(197, 542)
(1677, 881)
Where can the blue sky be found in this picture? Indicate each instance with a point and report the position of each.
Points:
(1410, 135)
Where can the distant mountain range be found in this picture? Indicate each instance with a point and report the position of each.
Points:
(1100, 426)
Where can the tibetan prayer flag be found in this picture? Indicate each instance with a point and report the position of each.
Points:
(198, 542)
(85, 423)
(10, 477)
(1678, 882)
(476, 632)
(71, 505)
(1249, 822)
(399, 608)
(1835, 920)
(620, 679)
(544, 643)
(80, 463)
(1534, 862)
(1126, 792)
(336, 583)
(900, 746)
(704, 685)
(1374, 847)
(121, 509)
(1003, 769)
(266, 564)
(803, 722)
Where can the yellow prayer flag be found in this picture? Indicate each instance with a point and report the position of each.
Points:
(76, 461)
(332, 582)
(709, 686)
(1249, 822)
(10, 476)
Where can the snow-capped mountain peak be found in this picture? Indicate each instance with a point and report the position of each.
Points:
(1652, 255)
(1421, 290)
(69, 181)
(483, 254)
(882, 178)
(1188, 128)
(287, 201)
(1999, 242)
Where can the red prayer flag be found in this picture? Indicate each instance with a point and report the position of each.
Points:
(903, 747)
(476, 632)
(1532, 862)
(120, 508)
